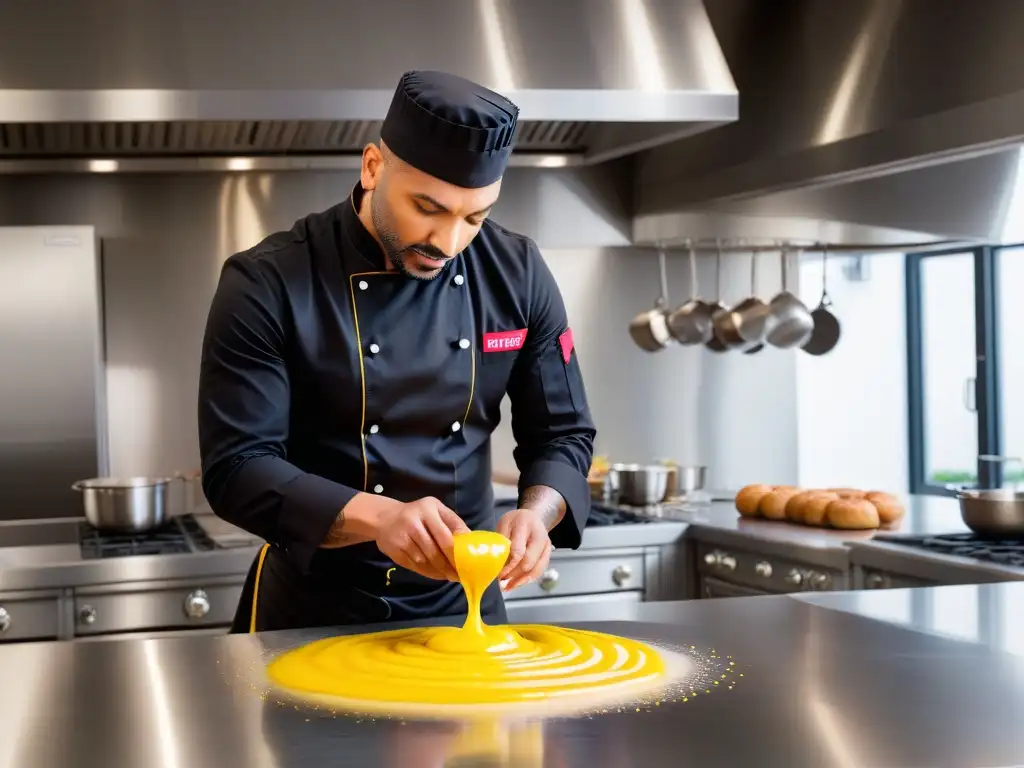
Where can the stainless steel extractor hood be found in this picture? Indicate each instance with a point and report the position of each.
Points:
(184, 78)
(878, 120)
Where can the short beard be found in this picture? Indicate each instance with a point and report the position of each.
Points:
(396, 252)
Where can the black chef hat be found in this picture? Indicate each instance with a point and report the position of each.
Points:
(450, 128)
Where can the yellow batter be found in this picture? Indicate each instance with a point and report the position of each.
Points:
(472, 665)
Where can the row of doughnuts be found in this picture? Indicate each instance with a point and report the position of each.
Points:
(846, 508)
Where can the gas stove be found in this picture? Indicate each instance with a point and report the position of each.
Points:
(602, 514)
(180, 535)
(1009, 553)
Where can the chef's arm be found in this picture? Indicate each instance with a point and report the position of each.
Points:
(546, 502)
(244, 399)
(551, 420)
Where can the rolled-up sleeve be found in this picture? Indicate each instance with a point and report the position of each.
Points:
(551, 420)
(244, 404)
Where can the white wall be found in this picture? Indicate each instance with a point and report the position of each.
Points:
(852, 402)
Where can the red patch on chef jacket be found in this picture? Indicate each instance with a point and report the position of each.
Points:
(504, 341)
(565, 342)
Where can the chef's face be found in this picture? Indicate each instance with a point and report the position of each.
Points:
(421, 221)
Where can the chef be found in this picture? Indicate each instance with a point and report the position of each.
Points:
(352, 373)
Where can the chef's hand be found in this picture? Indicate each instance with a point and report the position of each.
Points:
(418, 536)
(530, 550)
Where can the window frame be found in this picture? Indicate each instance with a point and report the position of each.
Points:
(987, 382)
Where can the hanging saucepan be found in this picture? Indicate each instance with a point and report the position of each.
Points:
(692, 323)
(746, 326)
(826, 331)
(650, 329)
(760, 345)
(791, 320)
(714, 343)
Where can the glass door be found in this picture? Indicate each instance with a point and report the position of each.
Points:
(1009, 345)
(943, 373)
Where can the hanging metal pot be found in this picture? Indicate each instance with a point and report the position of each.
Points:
(792, 324)
(692, 323)
(650, 329)
(746, 325)
(826, 332)
(714, 343)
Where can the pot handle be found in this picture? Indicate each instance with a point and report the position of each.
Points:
(77, 485)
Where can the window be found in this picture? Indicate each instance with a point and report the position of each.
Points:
(964, 356)
(1009, 355)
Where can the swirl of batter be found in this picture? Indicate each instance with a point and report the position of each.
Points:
(474, 664)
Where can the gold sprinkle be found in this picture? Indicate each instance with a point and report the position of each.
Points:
(741, 674)
(716, 682)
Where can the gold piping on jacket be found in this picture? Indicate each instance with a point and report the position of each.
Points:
(472, 384)
(256, 588)
(362, 371)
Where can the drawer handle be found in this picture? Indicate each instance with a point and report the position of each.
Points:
(877, 581)
(197, 604)
(549, 579)
(5, 620)
(87, 615)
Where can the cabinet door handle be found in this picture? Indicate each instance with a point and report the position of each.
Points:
(971, 395)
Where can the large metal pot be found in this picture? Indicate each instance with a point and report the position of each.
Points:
(640, 484)
(998, 514)
(125, 505)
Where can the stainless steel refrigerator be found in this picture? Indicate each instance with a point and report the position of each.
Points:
(53, 427)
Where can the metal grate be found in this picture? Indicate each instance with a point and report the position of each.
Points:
(254, 137)
(180, 535)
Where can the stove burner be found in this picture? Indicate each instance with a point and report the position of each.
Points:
(601, 515)
(971, 545)
(181, 535)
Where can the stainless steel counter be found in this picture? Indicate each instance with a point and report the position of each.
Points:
(719, 522)
(825, 680)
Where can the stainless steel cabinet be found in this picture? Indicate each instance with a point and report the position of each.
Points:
(159, 606)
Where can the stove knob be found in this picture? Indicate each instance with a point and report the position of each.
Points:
(197, 604)
(877, 581)
(87, 615)
(763, 569)
(621, 575)
(549, 579)
(820, 580)
(5, 620)
(728, 562)
(711, 558)
(795, 578)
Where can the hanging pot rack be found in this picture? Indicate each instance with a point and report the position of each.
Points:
(760, 245)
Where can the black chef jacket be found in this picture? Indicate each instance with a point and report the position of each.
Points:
(323, 374)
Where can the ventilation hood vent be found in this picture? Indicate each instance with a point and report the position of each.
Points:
(594, 81)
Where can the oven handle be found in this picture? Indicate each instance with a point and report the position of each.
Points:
(156, 634)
